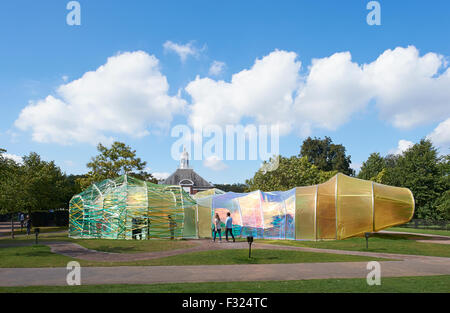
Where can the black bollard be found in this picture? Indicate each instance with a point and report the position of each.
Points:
(36, 232)
(367, 235)
(250, 241)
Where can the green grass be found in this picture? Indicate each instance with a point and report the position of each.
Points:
(41, 256)
(421, 284)
(385, 243)
(423, 231)
(134, 246)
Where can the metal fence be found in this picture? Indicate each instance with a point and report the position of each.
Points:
(427, 224)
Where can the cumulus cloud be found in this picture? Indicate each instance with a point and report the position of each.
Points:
(214, 163)
(183, 51)
(127, 95)
(263, 92)
(160, 175)
(410, 89)
(403, 145)
(440, 136)
(14, 157)
(216, 68)
(407, 89)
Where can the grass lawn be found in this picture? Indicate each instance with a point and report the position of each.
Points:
(386, 243)
(133, 246)
(422, 284)
(105, 245)
(423, 231)
(41, 256)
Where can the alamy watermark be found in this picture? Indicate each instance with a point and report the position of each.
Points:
(73, 18)
(73, 277)
(374, 276)
(374, 16)
(232, 142)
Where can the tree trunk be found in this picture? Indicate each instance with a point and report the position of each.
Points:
(12, 226)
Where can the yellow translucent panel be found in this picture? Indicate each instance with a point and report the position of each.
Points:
(354, 206)
(204, 217)
(393, 206)
(305, 198)
(326, 210)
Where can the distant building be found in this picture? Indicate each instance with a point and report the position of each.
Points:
(187, 178)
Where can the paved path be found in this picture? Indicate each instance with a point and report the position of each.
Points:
(440, 239)
(220, 273)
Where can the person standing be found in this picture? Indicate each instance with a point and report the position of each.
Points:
(28, 224)
(22, 220)
(217, 228)
(172, 226)
(229, 227)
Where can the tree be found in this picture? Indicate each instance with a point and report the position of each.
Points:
(291, 172)
(426, 175)
(372, 167)
(326, 155)
(10, 188)
(112, 162)
(239, 188)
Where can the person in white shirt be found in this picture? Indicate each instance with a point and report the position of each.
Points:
(229, 227)
(217, 228)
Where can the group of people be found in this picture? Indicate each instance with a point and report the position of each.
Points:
(228, 227)
(25, 221)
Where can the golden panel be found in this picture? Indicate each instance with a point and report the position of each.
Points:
(354, 206)
(393, 206)
(326, 210)
(305, 200)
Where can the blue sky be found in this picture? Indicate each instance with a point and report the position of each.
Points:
(40, 52)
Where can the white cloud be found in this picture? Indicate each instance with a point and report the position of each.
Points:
(160, 175)
(214, 163)
(65, 78)
(406, 88)
(183, 51)
(127, 95)
(440, 136)
(216, 68)
(333, 90)
(410, 89)
(14, 157)
(263, 92)
(403, 145)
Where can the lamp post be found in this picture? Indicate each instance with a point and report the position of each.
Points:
(250, 241)
(367, 235)
(36, 231)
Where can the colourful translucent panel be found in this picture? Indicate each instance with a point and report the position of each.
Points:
(126, 208)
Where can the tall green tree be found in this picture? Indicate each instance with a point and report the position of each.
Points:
(426, 174)
(115, 161)
(326, 155)
(291, 172)
(34, 185)
(372, 167)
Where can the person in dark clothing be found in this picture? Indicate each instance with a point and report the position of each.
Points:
(229, 227)
(28, 225)
(172, 226)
